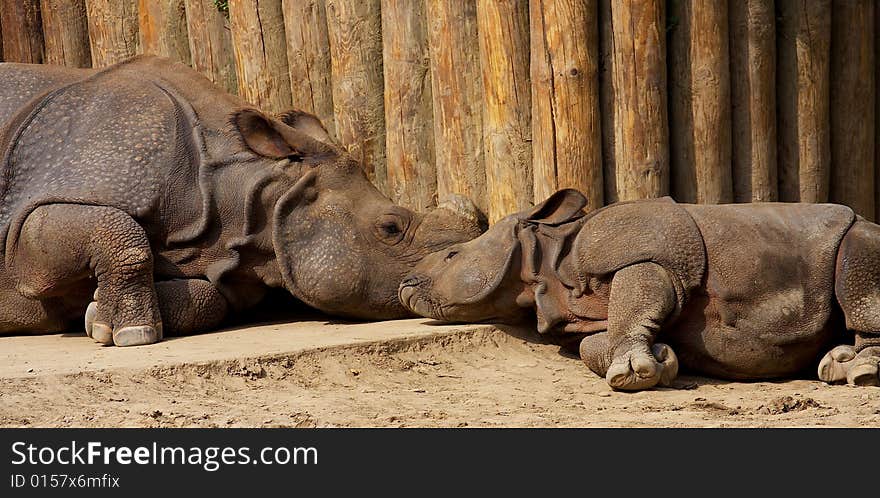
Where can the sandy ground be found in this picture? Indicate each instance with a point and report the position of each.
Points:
(445, 377)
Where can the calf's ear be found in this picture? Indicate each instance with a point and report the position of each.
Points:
(560, 207)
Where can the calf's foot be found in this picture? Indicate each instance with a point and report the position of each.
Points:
(848, 364)
(640, 368)
(631, 366)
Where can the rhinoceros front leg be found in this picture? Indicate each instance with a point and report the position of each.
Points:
(642, 297)
(61, 244)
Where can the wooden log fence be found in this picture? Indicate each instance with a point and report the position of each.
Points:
(66, 32)
(753, 100)
(409, 114)
(506, 101)
(22, 31)
(210, 43)
(162, 29)
(699, 88)
(566, 118)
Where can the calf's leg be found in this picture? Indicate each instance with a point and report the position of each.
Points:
(857, 287)
(642, 297)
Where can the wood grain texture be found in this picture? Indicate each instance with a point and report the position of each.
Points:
(853, 94)
(699, 106)
(162, 29)
(566, 130)
(260, 57)
(803, 86)
(308, 58)
(607, 101)
(22, 31)
(409, 117)
(641, 136)
(66, 32)
(355, 32)
(503, 27)
(113, 30)
(456, 89)
(210, 43)
(1, 38)
(753, 100)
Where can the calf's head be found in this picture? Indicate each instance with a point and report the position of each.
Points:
(341, 246)
(483, 280)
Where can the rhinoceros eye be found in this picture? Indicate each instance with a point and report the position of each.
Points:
(390, 228)
(451, 255)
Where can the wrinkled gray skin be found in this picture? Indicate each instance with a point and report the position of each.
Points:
(147, 199)
(739, 291)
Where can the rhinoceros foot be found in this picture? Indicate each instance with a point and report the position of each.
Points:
(637, 368)
(846, 364)
(124, 336)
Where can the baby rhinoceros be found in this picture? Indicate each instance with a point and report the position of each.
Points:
(740, 291)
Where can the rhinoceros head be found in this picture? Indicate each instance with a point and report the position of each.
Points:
(341, 246)
(482, 280)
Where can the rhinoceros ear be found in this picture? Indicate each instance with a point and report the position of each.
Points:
(261, 135)
(560, 207)
(271, 138)
(306, 123)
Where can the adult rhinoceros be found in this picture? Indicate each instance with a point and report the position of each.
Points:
(144, 197)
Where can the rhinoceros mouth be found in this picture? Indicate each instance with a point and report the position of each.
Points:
(413, 297)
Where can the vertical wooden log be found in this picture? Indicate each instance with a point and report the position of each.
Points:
(113, 30)
(409, 118)
(503, 28)
(260, 58)
(641, 135)
(699, 107)
(607, 100)
(803, 74)
(66, 32)
(210, 43)
(456, 92)
(566, 134)
(22, 31)
(753, 100)
(1, 39)
(355, 32)
(162, 29)
(308, 57)
(852, 105)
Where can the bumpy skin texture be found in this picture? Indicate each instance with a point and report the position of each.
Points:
(740, 291)
(150, 201)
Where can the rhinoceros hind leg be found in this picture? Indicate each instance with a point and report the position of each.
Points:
(857, 287)
(61, 245)
(846, 364)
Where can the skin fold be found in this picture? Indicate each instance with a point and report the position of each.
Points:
(738, 291)
(147, 199)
